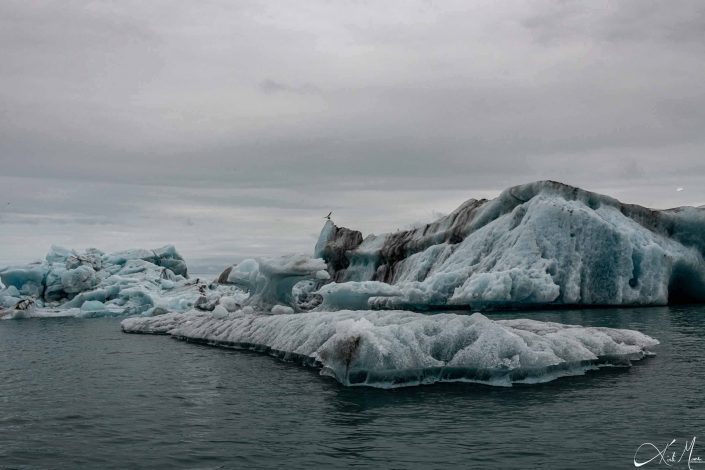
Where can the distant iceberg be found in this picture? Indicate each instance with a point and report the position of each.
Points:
(388, 349)
(543, 243)
(92, 283)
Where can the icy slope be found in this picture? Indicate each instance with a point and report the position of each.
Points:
(539, 243)
(398, 348)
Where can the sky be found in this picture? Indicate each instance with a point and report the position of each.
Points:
(229, 129)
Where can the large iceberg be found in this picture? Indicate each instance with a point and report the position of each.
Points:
(399, 348)
(543, 243)
(92, 283)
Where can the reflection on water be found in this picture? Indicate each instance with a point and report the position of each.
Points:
(80, 394)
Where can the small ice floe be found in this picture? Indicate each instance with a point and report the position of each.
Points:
(388, 349)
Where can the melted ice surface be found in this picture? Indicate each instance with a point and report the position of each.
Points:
(389, 349)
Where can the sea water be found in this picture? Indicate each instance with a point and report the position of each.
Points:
(81, 394)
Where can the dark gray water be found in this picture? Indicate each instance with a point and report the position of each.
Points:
(81, 394)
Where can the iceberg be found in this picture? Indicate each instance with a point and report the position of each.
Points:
(353, 295)
(352, 308)
(270, 282)
(389, 349)
(538, 244)
(88, 284)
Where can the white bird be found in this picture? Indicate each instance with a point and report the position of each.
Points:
(679, 189)
(328, 216)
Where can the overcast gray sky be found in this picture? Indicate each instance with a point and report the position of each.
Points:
(231, 128)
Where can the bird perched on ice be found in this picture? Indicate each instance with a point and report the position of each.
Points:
(328, 216)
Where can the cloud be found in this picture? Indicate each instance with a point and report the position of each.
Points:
(271, 87)
(252, 118)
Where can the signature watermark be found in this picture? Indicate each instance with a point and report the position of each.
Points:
(672, 454)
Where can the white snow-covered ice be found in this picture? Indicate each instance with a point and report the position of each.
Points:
(389, 349)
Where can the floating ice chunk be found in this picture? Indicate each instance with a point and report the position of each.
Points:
(270, 280)
(37, 312)
(127, 282)
(398, 348)
(354, 295)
